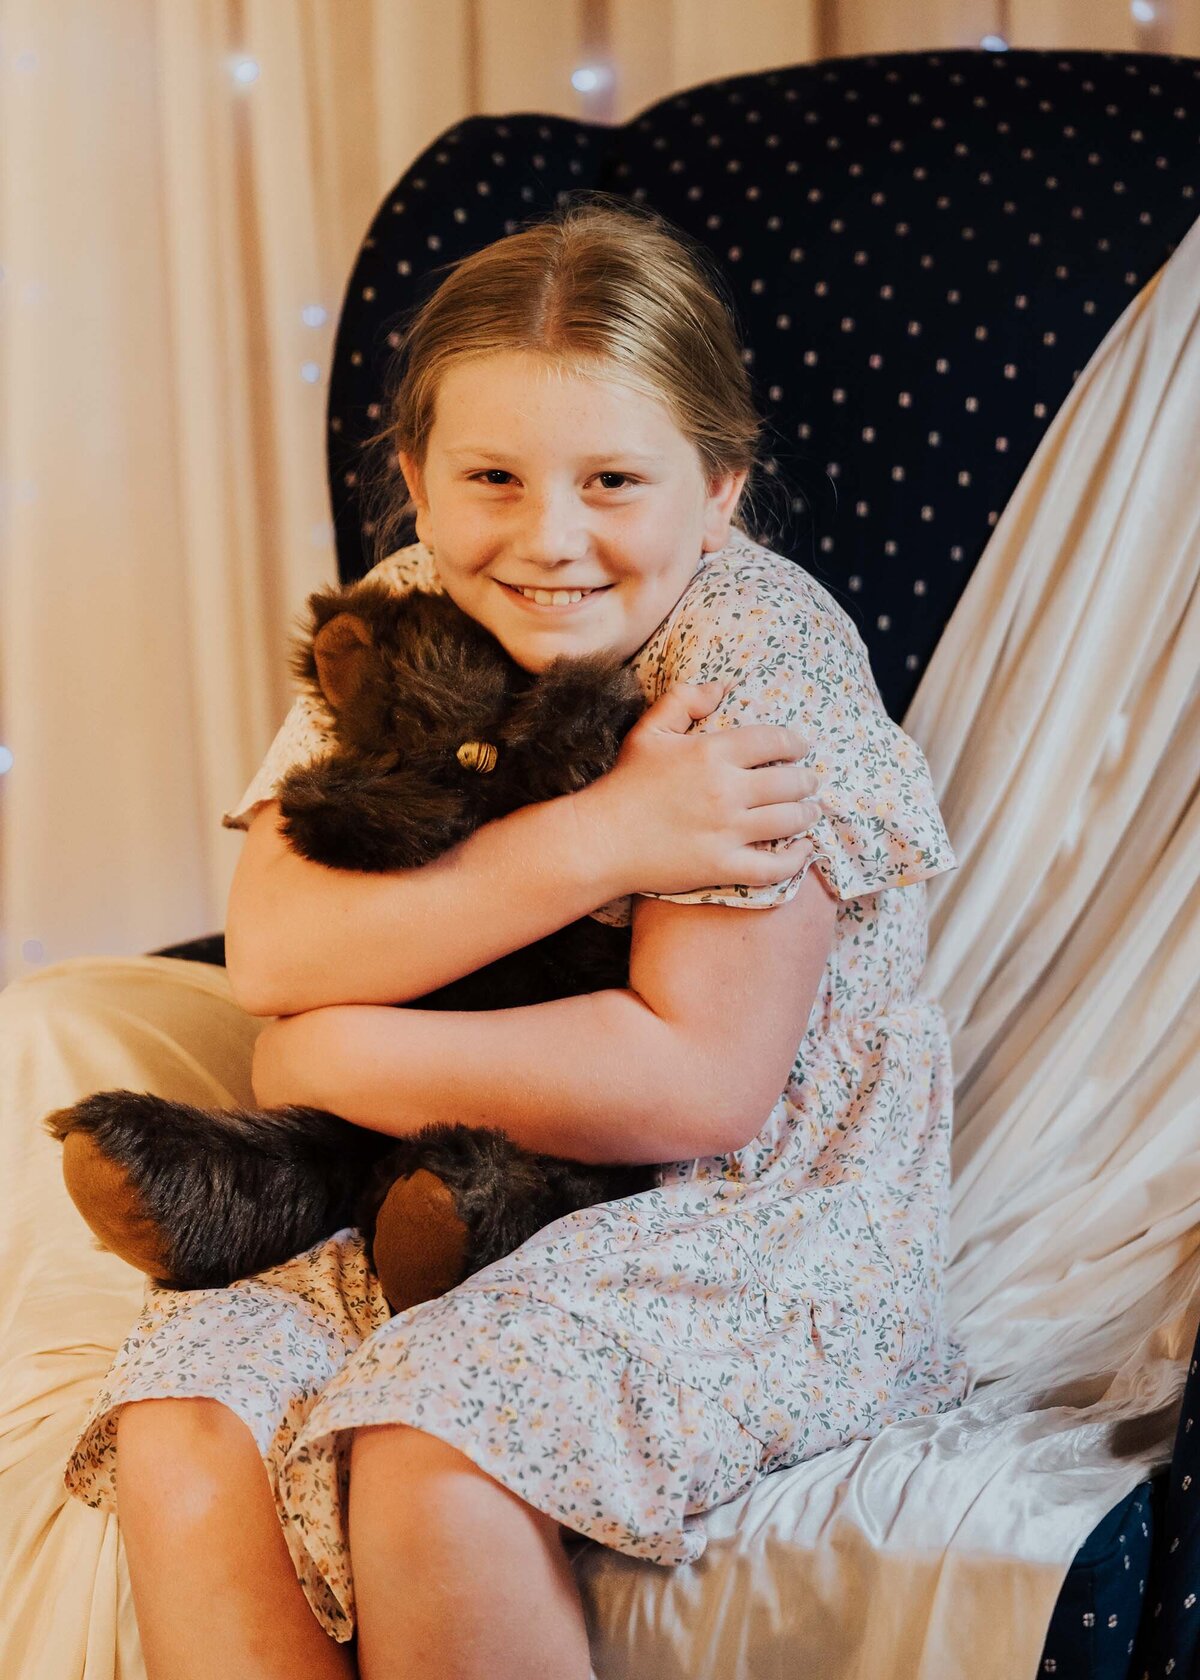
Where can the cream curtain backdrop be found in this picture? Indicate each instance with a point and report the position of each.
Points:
(173, 247)
(168, 234)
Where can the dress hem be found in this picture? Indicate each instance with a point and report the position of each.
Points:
(667, 1549)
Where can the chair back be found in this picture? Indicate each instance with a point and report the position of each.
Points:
(924, 250)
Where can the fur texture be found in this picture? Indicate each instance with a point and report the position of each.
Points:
(410, 680)
(231, 1191)
(435, 731)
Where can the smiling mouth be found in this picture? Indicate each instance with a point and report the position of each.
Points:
(554, 597)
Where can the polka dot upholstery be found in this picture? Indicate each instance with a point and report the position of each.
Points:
(1169, 1643)
(1094, 1628)
(924, 250)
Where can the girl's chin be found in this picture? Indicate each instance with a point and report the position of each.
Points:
(533, 649)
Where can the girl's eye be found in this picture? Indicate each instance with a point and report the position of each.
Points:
(498, 476)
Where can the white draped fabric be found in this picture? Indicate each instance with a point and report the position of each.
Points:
(1059, 717)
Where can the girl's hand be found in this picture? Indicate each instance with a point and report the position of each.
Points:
(679, 812)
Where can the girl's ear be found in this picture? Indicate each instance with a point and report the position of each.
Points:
(718, 510)
(414, 478)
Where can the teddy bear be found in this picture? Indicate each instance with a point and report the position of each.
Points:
(434, 730)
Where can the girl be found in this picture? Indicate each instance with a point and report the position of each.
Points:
(575, 430)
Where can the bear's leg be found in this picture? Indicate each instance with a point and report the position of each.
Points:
(200, 1197)
(448, 1200)
(420, 1243)
(110, 1203)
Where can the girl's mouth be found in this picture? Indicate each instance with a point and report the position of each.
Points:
(553, 600)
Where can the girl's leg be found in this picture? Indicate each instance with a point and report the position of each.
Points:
(214, 1589)
(455, 1577)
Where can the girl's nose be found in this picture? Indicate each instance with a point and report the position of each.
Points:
(553, 528)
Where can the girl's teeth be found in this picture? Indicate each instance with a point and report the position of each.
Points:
(554, 597)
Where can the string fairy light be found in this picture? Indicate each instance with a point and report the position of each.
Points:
(591, 78)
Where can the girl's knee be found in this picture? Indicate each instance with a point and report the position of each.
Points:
(415, 1484)
(178, 1457)
(406, 1457)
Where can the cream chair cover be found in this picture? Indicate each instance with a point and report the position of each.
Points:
(1059, 717)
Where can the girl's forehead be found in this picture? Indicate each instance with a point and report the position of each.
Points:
(511, 389)
(501, 407)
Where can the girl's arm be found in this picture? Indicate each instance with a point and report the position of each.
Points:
(679, 811)
(685, 1062)
(300, 936)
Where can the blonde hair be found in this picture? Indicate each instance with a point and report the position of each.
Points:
(601, 288)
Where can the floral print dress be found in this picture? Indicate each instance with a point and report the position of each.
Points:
(634, 1365)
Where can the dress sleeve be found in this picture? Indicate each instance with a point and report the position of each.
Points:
(307, 729)
(792, 656)
(303, 734)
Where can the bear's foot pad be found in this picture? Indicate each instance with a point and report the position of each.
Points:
(420, 1243)
(111, 1205)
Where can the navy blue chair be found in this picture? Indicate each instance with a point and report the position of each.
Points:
(924, 250)
(1169, 1639)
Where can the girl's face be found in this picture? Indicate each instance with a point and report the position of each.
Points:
(541, 480)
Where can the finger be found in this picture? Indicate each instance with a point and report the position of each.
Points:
(760, 743)
(756, 868)
(780, 822)
(683, 703)
(777, 783)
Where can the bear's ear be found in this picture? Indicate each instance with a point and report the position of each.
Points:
(342, 649)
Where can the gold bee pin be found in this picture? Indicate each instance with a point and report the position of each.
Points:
(478, 755)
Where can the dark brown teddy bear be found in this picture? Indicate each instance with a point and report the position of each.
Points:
(435, 731)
